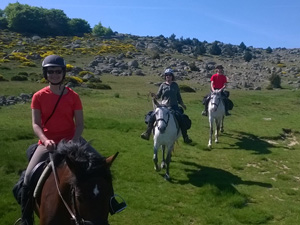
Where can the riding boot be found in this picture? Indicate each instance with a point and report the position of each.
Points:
(116, 207)
(27, 206)
(147, 133)
(204, 113)
(185, 136)
(226, 107)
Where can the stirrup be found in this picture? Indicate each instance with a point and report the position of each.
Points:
(145, 136)
(18, 221)
(187, 140)
(117, 207)
(204, 113)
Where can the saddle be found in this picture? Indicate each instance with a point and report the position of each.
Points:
(37, 176)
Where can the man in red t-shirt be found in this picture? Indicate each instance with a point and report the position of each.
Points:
(218, 81)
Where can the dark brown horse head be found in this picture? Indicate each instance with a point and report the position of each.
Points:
(85, 183)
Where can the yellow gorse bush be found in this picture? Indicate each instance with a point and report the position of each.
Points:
(281, 65)
(19, 56)
(69, 67)
(113, 46)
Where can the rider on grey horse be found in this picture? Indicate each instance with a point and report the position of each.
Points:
(169, 92)
(218, 82)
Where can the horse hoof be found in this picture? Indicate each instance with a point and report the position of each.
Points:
(162, 165)
(167, 177)
(157, 169)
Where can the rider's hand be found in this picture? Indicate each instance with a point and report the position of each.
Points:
(50, 145)
(152, 94)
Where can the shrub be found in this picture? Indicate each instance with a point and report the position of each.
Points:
(23, 73)
(98, 86)
(69, 67)
(248, 56)
(29, 64)
(275, 81)
(2, 78)
(185, 88)
(281, 65)
(84, 72)
(74, 80)
(19, 78)
(5, 68)
(193, 67)
(4, 60)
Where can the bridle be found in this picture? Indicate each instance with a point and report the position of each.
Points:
(75, 216)
(216, 103)
(162, 119)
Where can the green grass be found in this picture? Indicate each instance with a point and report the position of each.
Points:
(250, 177)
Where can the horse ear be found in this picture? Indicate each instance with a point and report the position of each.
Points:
(155, 102)
(110, 160)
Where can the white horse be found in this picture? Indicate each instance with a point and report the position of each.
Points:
(166, 132)
(216, 113)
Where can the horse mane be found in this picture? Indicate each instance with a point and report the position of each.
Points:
(89, 163)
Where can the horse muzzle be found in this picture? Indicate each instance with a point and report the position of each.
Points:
(162, 129)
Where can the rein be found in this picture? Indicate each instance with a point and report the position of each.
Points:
(217, 103)
(77, 219)
(162, 119)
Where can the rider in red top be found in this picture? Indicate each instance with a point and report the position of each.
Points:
(56, 115)
(218, 81)
(61, 125)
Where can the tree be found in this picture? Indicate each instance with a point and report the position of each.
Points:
(215, 49)
(100, 30)
(177, 45)
(229, 50)
(242, 46)
(57, 22)
(78, 27)
(269, 50)
(199, 49)
(3, 20)
(24, 18)
(35, 20)
(248, 56)
(172, 37)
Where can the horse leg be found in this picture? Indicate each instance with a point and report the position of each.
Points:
(218, 124)
(168, 160)
(222, 125)
(155, 159)
(163, 162)
(210, 132)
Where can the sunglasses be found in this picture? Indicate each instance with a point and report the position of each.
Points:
(54, 71)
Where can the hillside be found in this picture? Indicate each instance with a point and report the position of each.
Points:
(127, 55)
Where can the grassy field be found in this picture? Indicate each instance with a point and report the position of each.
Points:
(250, 177)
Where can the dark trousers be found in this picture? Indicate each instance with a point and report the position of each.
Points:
(224, 98)
(178, 115)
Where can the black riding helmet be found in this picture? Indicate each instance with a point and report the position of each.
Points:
(53, 61)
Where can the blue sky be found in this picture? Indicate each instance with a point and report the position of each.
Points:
(257, 23)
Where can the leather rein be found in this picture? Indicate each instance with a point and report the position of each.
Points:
(78, 220)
